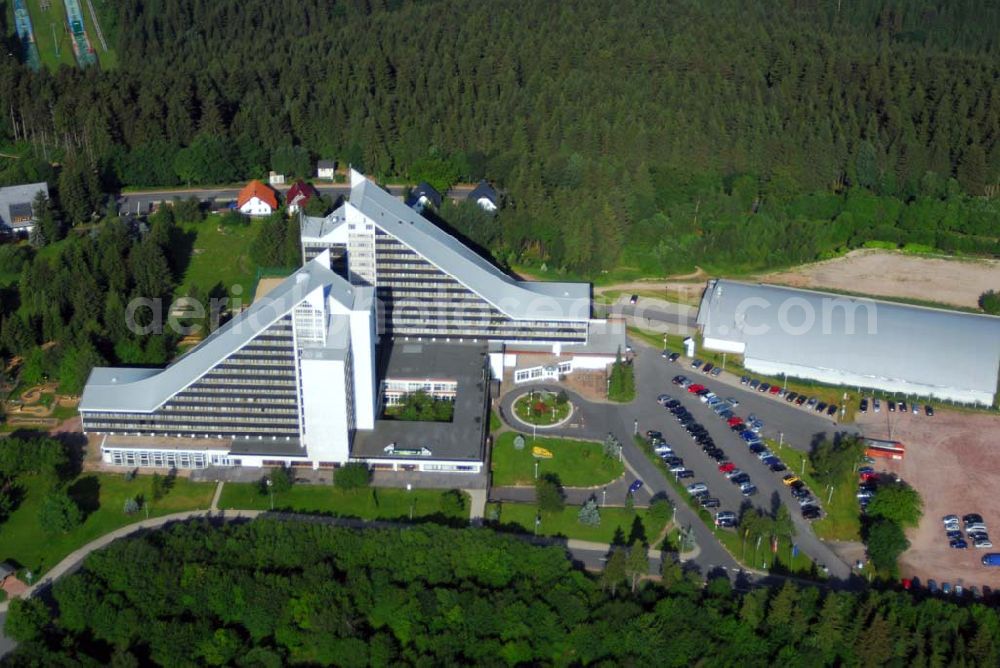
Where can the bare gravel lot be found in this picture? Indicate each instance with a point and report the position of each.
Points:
(951, 459)
(895, 274)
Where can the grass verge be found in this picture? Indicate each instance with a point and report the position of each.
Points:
(618, 525)
(841, 520)
(577, 463)
(102, 497)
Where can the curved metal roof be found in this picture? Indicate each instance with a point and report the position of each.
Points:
(875, 339)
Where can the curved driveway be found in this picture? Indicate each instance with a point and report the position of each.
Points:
(800, 429)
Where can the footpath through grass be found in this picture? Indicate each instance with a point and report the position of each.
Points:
(577, 463)
(102, 497)
(220, 255)
(617, 524)
(374, 503)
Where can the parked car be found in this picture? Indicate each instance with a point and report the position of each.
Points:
(753, 384)
(633, 299)
(733, 472)
(801, 400)
(876, 405)
(811, 402)
(958, 544)
(778, 467)
(696, 363)
(892, 405)
(708, 367)
(740, 479)
(744, 380)
(710, 502)
(902, 407)
(728, 518)
(763, 387)
(674, 357)
(791, 396)
(928, 410)
(950, 519)
(726, 467)
(810, 512)
(915, 408)
(831, 409)
(790, 479)
(716, 372)
(774, 390)
(820, 407)
(863, 407)
(748, 489)
(971, 518)
(697, 487)
(694, 388)
(684, 473)
(653, 434)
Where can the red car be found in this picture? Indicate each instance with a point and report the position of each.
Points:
(695, 387)
(726, 467)
(868, 476)
(774, 389)
(733, 421)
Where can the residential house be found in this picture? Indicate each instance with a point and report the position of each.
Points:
(326, 169)
(422, 196)
(256, 199)
(16, 213)
(298, 196)
(485, 197)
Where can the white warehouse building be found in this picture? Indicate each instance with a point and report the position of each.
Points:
(852, 341)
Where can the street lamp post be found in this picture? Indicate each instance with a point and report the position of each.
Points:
(536, 469)
(723, 361)
(538, 522)
(604, 497)
(409, 488)
(635, 427)
(270, 492)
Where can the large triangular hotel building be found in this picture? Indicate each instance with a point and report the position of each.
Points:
(386, 303)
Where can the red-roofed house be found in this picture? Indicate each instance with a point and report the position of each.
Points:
(299, 195)
(256, 199)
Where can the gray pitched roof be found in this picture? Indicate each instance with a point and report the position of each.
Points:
(931, 347)
(316, 228)
(145, 390)
(326, 164)
(521, 300)
(12, 196)
(6, 569)
(484, 189)
(424, 189)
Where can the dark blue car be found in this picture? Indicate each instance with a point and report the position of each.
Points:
(635, 487)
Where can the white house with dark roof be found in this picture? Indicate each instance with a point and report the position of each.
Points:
(16, 213)
(485, 197)
(326, 169)
(423, 196)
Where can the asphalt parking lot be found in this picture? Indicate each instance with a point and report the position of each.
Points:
(800, 428)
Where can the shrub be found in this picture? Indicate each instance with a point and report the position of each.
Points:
(989, 301)
(352, 476)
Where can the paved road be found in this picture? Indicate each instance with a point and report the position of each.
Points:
(6, 644)
(799, 426)
(656, 319)
(595, 420)
(140, 201)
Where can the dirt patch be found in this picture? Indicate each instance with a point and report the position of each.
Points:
(896, 274)
(951, 460)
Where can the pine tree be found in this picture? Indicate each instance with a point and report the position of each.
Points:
(615, 570)
(637, 566)
(589, 514)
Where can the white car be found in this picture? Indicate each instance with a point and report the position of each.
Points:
(983, 543)
(976, 526)
(676, 468)
(663, 449)
(697, 488)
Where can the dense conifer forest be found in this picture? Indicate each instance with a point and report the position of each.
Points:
(654, 137)
(275, 593)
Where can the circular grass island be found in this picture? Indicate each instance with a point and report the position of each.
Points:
(543, 408)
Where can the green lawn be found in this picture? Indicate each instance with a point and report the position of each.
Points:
(541, 408)
(566, 523)
(43, 21)
(220, 255)
(23, 541)
(842, 520)
(370, 503)
(577, 463)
